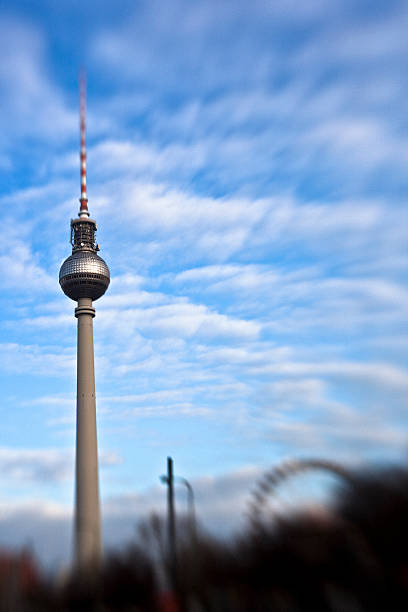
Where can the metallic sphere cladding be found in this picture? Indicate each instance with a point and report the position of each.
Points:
(84, 274)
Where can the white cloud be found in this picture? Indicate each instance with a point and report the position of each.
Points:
(218, 229)
(36, 359)
(180, 319)
(27, 89)
(20, 269)
(340, 439)
(285, 112)
(43, 466)
(292, 299)
(376, 374)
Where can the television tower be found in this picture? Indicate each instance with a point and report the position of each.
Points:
(84, 277)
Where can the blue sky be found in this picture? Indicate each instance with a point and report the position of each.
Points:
(248, 170)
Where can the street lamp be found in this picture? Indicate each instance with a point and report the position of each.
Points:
(171, 514)
(190, 507)
(171, 522)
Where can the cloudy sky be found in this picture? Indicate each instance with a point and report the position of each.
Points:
(248, 170)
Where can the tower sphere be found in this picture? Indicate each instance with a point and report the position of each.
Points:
(84, 274)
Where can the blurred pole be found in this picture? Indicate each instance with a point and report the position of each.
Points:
(176, 580)
(190, 509)
(171, 523)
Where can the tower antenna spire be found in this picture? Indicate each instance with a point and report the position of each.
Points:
(83, 211)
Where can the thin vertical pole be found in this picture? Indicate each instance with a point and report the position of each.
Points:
(191, 513)
(171, 523)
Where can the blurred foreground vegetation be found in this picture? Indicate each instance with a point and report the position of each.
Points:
(353, 557)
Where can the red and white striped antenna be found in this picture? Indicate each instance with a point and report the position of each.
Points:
(83, 211)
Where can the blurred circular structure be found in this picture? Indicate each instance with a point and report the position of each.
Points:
(271, 480)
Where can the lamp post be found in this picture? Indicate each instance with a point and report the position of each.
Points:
(190, 507)
(169, 480)
(171, 521)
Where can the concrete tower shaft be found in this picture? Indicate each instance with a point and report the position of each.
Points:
(88, 546)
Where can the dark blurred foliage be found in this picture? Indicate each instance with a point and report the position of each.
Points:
(352, 557)
(125, 583)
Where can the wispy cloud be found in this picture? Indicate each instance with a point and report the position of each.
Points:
(29, 95)
(285, 110)
(36, 359)
(43, 466)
